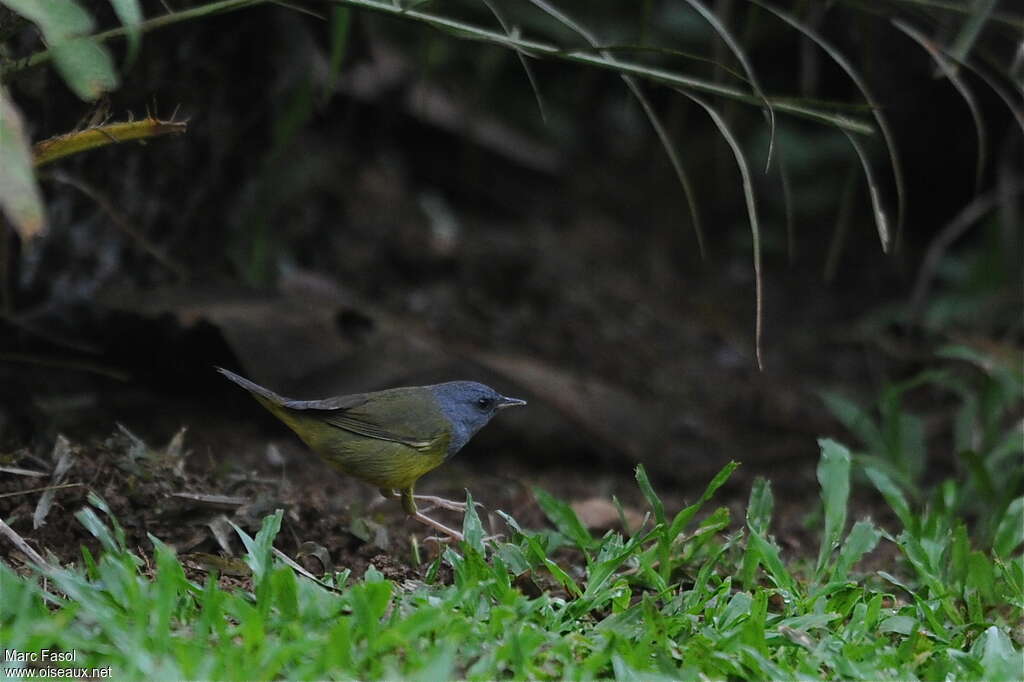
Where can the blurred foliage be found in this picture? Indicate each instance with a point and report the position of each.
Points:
(974, 470)
(305, 107)
(678, 43)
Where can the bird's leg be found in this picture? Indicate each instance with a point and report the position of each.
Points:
(385, 495)
(409, 504)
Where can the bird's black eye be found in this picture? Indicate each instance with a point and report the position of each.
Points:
(484, 403)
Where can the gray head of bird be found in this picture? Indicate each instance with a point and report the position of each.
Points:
(468, 406)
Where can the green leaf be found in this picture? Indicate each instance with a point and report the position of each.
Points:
(1010, 532)
(768, 555)
(472, 529)
(130, 15)
(652, 497)
(599, 572)
(88, 518)
(736, 609)
(513, 557)
(903, 625)
(86, 66)
(1012, 573)
(754, 628)
(55, 18)
(999, 658)
(84, 63)
(857, 420)
(564, 518)
(1006, 373)
(759, 508)
(684, 516)
(440, 666)
(538, 556)
(259, 549)
(862, 539)
(286, 592)
(20, 199)
(912, 450)
(980, 476)
(759, 517)
(960, 549)
(981, 577)
(370, 600)
(893, 495)
(834, 477)
(621, 595)
(265, 537)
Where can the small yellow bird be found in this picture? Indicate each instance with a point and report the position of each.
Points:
(390, 438)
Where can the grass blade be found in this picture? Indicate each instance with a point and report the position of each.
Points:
(741, 56)
(768, 555)
(1010, 533)
(648, 491)
(961, 87)
(472, 529)
(893, 495)
(976, 20)
(759, 508)
(673, 157)
(862, 539)
(564, 518)
(755, 230)
(881, 222)
(759, 518)
(513, 31)
(659, 129)
(877, 111)
(1015, 109)
(834, 477)
(258, 550)
(856, 420)
(466, 30)
(685, 515)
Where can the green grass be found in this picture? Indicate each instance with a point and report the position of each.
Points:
(679, 599)
(690, 595)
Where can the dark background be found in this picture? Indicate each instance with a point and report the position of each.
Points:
(414, 219)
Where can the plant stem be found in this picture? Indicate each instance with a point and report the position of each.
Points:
(474, 32)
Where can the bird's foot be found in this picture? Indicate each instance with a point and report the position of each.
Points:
(450, 533)
(435, 502)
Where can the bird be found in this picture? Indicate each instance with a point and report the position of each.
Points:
(390, 438)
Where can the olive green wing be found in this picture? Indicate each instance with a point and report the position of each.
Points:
(405, 415)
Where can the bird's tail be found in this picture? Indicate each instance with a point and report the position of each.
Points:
(305, 426)
(257, 390)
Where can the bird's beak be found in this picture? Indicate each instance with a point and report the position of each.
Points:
(504, 402)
